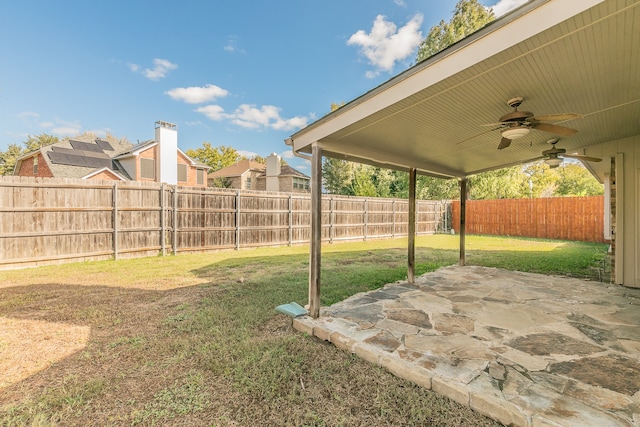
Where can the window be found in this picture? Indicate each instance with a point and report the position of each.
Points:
(200, 177)
(301, 183)
(182, 172)
(147, 168)
(249, 183)
(35, 165)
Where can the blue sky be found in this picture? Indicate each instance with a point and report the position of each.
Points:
(245, 74)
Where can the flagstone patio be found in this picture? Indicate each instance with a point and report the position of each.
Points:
(524, 349)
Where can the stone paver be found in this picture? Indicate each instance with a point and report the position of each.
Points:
(524, 349)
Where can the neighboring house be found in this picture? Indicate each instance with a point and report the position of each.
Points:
(277, 177)
(250, 175)
(158, 160)
(243, 175)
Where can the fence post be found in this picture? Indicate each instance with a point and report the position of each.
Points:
(366, 218)
(290, 219)
(162, 222)
(331, 219)
(238, 220)
(174, 243)
(115, 220)
(203, 220)
(393, 220)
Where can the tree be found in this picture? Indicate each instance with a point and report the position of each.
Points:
(14, 151)
(36, 142)
(337, 176)
(540, 180)
(468, 17)
(575, 180)
(8, 158)
(504, 183)
(215, 157)
(263, 160)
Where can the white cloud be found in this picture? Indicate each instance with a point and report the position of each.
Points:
(197, 95)
(400, 3)
(504, 6)
(232, 45)
(27, 115)
(67, 130)
(288, 154)
(386, 44)
(248, 154)
(62, 128)
(214, 112)
(252, 117)
(160, 69)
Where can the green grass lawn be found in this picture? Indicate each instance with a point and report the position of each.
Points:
(195, 339)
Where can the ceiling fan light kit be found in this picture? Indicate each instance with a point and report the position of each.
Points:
(553, 162)
(515, 132)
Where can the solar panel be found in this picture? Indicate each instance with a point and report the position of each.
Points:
(97, 163)
(79, 160)
(104, 145)
(85, 146)
(59, 158)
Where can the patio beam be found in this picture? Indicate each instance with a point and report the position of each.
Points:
(463, 214)
(316, 231)
(411, 229)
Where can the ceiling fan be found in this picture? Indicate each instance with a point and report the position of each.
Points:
(517, 124)
(553, 157)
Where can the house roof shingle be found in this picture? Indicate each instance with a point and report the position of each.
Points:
(238, 169)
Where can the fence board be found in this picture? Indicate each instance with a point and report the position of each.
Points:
(562, 218)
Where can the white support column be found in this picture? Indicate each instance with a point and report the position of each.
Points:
(463, 214)
(411, 228)
(316, 231)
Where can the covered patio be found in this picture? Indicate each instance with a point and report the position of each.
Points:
(573, 66)
(524, 349)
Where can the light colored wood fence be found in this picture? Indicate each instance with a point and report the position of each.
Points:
(45, 221)
(562, 218)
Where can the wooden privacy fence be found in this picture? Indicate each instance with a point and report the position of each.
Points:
(45, 221)
(562, 218)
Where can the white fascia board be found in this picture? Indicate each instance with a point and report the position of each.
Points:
(510, 30)
(389, 160)
(105, 169)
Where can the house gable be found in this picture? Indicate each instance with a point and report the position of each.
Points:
(34, 165)
(104, 174)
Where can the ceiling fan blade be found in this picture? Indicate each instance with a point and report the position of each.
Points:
(495, 124)
(581, 157)
(558, 130)
(504, 143)
(558, 117)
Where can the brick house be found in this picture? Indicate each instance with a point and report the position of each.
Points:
(250, 175)
(243, 175)
(157, 160)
